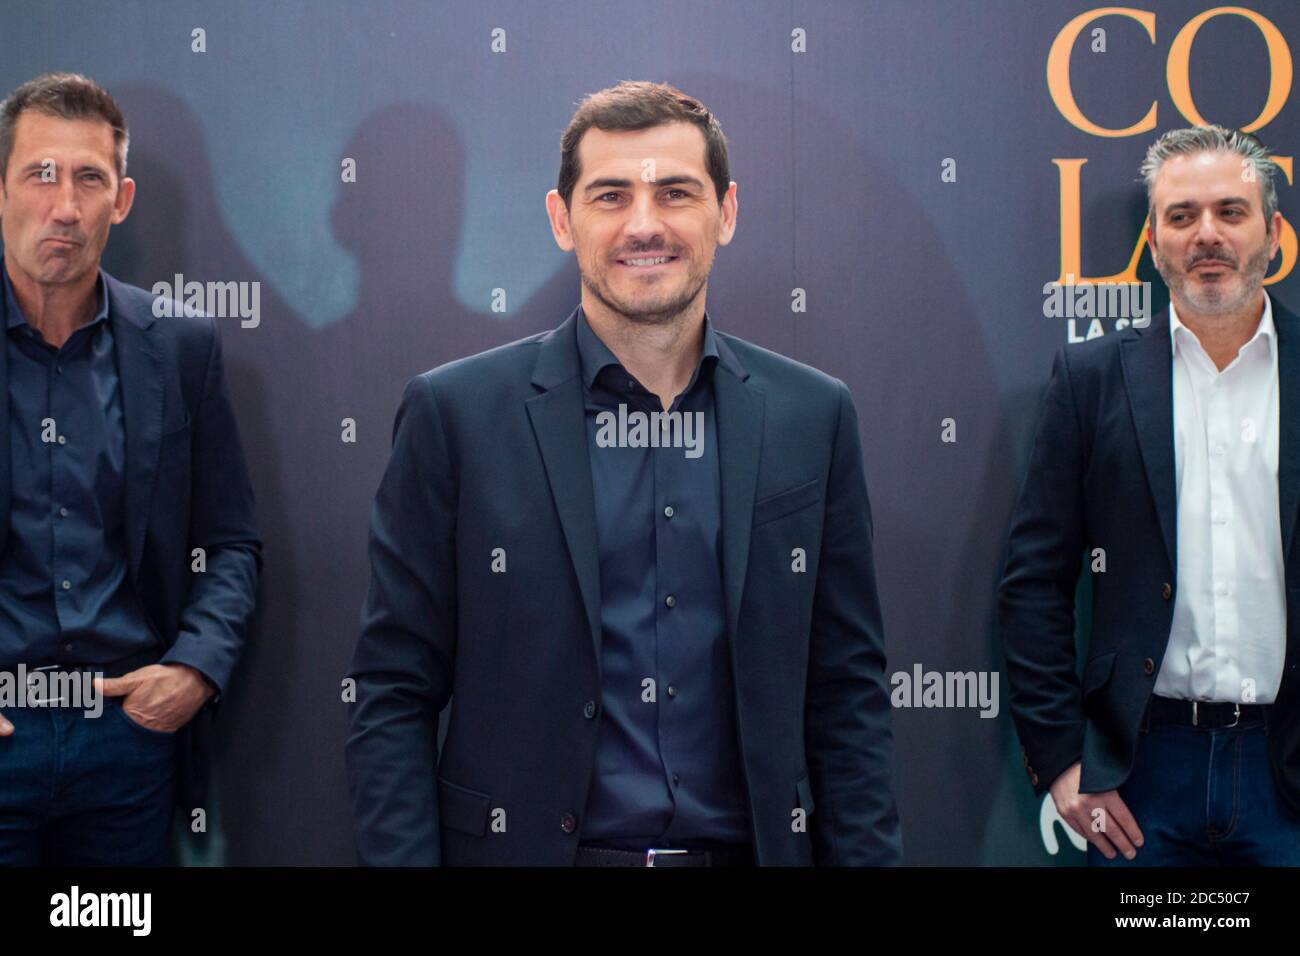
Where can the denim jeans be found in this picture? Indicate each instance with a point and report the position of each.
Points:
(1206, 798)
(85, 791)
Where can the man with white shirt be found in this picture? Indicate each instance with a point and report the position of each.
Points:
(1167, 461)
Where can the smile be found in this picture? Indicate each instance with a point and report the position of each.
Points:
(650, 263)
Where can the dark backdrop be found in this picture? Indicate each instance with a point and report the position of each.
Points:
(924, 295)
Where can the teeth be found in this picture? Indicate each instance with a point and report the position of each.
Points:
(647, 262)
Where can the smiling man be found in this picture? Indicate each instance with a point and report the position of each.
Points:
(1172, 455)
(119, 464)
(661, 641)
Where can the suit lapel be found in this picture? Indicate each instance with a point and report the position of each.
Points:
(1147, 360)
(1148, 377)
(739, 410)
(6, 465)
(1288, 382)
(140, 374)
(559, 423)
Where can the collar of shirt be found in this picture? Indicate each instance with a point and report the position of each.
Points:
(1265, 329)
(14, 317)
(595, 355)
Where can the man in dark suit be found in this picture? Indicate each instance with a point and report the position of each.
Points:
(1167, 459)
(128, 554)
(660, 637)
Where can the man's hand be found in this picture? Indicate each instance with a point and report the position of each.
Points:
(6, 728)
(1100, 818)
(161, 697)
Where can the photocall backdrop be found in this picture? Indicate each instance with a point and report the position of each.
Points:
(919, 169)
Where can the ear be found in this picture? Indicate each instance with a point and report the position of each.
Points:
(727, 221)
(558, 214)
(124, 200)
(1151, 238)
(1274, 235)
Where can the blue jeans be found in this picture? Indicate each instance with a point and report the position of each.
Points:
(1206, 798)
(85, 791)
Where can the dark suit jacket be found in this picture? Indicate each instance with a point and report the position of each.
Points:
(1102, 476)
(186, 487)
(491, 452)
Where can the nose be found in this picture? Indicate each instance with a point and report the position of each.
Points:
(67, 207)
(1207, 232)
(644, 221)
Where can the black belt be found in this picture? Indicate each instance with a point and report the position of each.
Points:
(110, 669)
(1205, 714)
(735, 855)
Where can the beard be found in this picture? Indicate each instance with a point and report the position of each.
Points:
(652, 308)
(1215, 298)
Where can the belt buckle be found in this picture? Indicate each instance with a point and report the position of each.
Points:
(1236, 714)
(652, 853)
(47, 700)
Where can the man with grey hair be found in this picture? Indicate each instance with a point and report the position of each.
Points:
(1170, 456)
(128, 555)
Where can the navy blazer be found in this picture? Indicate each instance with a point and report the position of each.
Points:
(491, 452)
(186, 487)
(1102, 476)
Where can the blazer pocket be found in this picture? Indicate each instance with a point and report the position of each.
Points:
(174, 430)
(803, 795)
(1096, 673)
(463, 809)
(787, 502)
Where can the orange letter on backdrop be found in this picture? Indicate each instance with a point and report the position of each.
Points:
(1178, 77)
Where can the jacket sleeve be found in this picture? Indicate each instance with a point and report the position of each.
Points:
(402, 666)
(1037, 595)
(214, 618)
(847, 722)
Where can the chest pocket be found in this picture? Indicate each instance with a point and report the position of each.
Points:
(787, 502)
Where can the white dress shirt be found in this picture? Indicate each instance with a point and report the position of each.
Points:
(1228, 636)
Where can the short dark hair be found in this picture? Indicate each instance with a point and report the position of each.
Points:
(636, 105)
(66, 95)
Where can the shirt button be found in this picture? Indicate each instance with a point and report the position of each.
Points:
(66, 584)
(672, 691)
(668, 511)
(63, 512)
(670, 601)
(1166, 590)
(63, 439)
(1148, 667)
(589, 709)
(568, 822)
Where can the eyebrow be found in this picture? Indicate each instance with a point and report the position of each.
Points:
(1191, 204)
(40, 164)
(616, 183)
